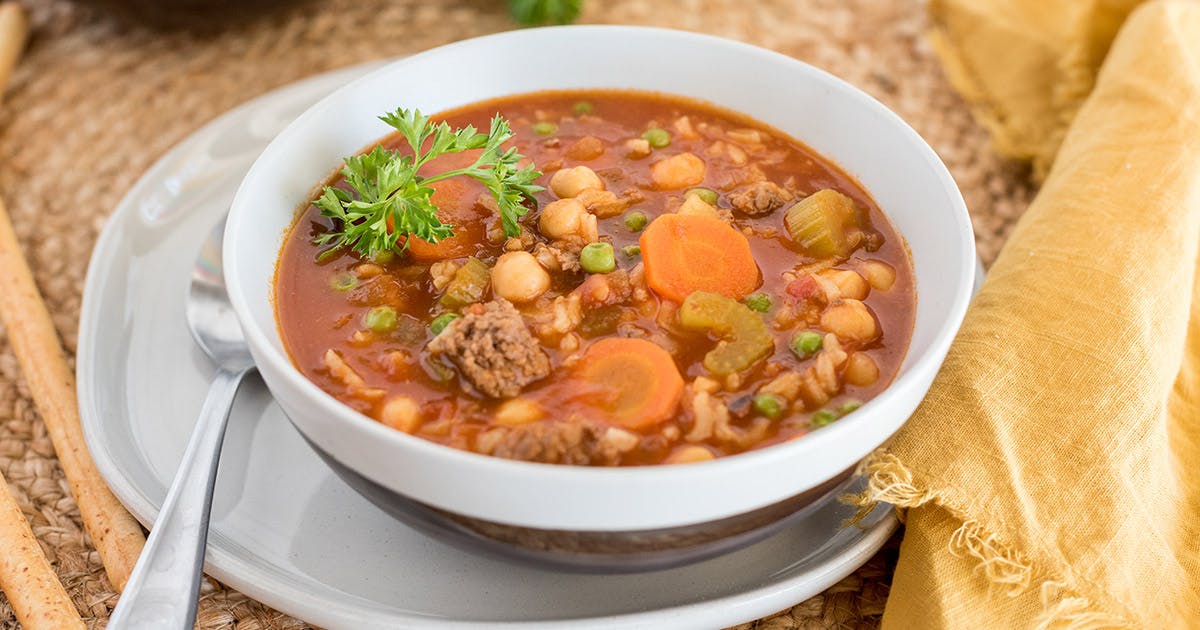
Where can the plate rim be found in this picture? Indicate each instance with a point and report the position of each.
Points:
(280, 589)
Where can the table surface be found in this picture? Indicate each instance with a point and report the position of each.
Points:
(108, 85)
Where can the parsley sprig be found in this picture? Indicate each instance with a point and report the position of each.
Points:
(393, 202)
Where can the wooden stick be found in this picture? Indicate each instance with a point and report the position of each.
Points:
(115, 534)
(29, 582)
(37, 597)
(33, 589)
(14, 29)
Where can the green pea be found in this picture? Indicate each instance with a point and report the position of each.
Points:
(851, 406)
(381, 319)
(343, 281)
(544, 128)
(658, 138)
(597, 258)
(805, 344)
(383, 257)
(631, 250)
(707, 195)
(582, 107)
(760, 302)
(823, 417)
(440, 322)
(769, 405)
(636, 220)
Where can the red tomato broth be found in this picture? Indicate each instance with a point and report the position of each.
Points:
(314, 318)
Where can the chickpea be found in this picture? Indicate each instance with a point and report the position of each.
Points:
(401, 413)
(849, 283)
(693, 204)
(569, 182)
(677, 171)
(518, 411)
(861, 370)
(851, 320)
(562, 218)
(517, 277)
(689, 455)
(880, 274)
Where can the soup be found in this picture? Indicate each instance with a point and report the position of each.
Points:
(689, 284)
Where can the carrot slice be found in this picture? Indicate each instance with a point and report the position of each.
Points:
(685, 253)
(635, 381)
(455, 200)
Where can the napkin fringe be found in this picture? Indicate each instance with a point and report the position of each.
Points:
(890, 481)
(1000, 564)
(1071, 613)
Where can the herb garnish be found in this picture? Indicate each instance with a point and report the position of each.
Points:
(394, 202)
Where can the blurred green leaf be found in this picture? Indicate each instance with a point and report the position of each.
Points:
(542, 12)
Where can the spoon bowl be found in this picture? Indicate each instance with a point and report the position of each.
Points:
(210, 316)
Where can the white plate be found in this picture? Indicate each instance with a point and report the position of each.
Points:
(285, 530)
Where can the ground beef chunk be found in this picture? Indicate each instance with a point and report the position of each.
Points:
(493, 349)
(733, 178)
(604, 289)
(570, 244)
(760, 198)
(556, 259)
(574, 440)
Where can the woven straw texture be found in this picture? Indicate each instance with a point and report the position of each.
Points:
(107, 86)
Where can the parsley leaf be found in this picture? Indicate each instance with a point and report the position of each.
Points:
(394, 202)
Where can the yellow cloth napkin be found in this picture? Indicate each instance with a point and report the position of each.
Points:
(1052, 476)
(1025, 65)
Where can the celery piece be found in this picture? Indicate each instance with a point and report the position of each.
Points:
(440, 322)
(826, 224)
(467, 286)
(745, 338)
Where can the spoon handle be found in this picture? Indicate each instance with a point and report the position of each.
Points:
(162, 591)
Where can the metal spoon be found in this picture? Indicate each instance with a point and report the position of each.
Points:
(163, 589)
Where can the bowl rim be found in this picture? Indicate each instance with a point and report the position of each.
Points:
(585, 477)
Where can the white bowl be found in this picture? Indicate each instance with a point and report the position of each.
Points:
(841, 122)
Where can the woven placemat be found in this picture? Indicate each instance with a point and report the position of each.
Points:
(107, 86)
